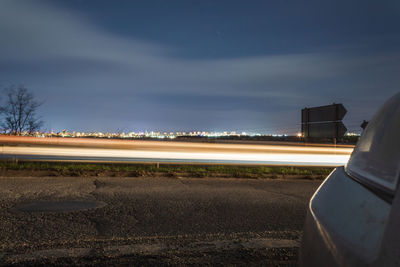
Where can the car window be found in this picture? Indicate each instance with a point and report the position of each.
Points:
(376, 157)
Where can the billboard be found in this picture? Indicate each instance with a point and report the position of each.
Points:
(323, 122)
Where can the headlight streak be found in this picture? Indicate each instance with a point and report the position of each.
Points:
(279, 155)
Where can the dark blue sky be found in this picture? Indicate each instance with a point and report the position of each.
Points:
(206, 65)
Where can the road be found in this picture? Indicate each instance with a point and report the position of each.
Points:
(152, 220)
(103, 150)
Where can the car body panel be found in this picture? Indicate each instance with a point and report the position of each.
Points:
(347, 220)
(353, 218)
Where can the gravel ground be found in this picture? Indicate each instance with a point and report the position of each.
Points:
(148, 221)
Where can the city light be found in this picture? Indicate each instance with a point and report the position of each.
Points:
(149, 134)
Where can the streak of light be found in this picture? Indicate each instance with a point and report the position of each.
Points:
(302, 158)
(182, 146)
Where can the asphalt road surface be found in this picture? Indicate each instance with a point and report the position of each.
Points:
(163, 221)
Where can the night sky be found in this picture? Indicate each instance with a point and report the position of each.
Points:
(200, 65)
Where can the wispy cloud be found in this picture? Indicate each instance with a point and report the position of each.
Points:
(60, 54)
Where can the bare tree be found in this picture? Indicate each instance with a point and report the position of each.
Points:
(19, 111)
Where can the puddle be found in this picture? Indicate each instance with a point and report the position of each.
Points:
(59, 206)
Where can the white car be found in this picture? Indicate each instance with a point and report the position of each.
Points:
(354, 217)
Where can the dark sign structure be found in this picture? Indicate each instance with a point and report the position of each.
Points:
(364, 124)
(323, 122)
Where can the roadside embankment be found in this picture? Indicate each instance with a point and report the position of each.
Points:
(41, 169)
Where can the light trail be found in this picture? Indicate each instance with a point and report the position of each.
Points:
(159, 151)
(175, 145)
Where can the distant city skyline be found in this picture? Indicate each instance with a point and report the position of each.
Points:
(209, 65)
(162, 134)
